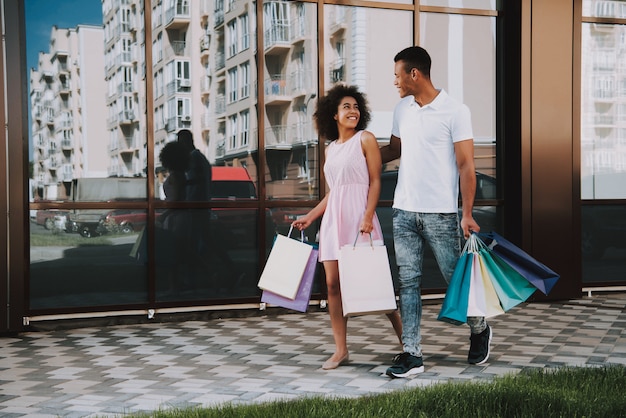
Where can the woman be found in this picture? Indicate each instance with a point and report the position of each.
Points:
(352, 169)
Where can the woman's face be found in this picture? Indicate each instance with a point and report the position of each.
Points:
(348, 113)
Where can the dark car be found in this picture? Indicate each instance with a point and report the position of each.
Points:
(485, 216)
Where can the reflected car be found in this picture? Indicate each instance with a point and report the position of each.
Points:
(235, 228)
(46, 217)
(485, 216)
(124, 220)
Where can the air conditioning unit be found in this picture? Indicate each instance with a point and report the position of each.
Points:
(187, 118)
(185, 83)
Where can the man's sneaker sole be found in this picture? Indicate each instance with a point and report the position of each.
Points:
(483, 361)
(411, 372)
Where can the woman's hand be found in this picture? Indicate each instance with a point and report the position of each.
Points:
(366, 227)
(303, 222)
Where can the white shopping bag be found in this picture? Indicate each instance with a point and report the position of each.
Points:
(285, 266)
(365, 280)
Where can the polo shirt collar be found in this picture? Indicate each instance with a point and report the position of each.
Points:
(435, 104)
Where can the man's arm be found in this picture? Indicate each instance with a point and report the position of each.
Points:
(392, 151)
(464, 151)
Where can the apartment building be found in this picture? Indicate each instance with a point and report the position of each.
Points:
(124, 41)
(67, 90)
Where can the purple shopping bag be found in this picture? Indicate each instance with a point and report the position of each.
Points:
(301, 301)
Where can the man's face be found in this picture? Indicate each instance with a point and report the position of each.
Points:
(404, 82)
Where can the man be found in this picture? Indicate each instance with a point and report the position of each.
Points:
(433, 133)
(199, 174)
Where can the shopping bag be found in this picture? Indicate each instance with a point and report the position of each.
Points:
(541, 276)
(365, 280)
(455, 303)
(285, 266)
(483, 299)
(511, 288)
(303, 296)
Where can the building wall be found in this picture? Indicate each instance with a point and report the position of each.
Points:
(541, 200)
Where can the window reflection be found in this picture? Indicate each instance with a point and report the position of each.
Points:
(204, 254)
(466, 4)
(603, 243)
(603, 115)
(360, 52)
(290, 89)
(71, 270)
(462, 49)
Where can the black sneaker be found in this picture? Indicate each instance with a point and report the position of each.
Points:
(404, 365)
(480, 344)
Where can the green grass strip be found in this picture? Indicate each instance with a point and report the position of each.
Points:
(572, 392)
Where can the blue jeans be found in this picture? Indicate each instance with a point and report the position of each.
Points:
(411, 230)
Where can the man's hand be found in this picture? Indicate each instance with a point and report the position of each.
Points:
(469, 225)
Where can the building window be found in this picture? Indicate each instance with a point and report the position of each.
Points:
(245, 80)
(232, 38)
(232, 132)
(245, 128)
(232, 85)
(244, 25)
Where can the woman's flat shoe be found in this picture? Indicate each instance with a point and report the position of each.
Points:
(329, 364)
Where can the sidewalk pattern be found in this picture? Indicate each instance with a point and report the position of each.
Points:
(122, 369)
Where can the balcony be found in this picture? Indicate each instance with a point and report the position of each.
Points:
(67, 144)
(125, 87)
(126, 117)
(220, 104)
(301, 82)
(205, 44)
(219, 17)
(205, 85)
(177, 17)
(336, 73)
(277, 39)
(276, 90)
(205, 121)
(276, 137)
(220, 61)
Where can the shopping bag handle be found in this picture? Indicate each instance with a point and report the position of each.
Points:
(301, 233)
(357, 238)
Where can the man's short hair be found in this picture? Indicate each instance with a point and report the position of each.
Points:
(415, 57)
(185, 137)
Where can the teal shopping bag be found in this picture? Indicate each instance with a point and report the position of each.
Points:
(455, 303)
(512, 288)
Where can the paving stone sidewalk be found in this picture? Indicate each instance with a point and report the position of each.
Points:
(114, 370)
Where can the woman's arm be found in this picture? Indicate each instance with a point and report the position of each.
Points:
(370, 148)
(305, 221)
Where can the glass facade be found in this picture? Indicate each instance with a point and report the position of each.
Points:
(603, 141)
(114, 225)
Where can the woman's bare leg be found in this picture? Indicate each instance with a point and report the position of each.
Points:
(396, 322)
(338, 322)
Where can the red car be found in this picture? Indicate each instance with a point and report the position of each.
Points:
(124, 220)
(46, 217)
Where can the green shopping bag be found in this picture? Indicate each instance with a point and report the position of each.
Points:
(512, 288)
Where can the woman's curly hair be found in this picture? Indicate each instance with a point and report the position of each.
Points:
(174, 156)
(326, 109)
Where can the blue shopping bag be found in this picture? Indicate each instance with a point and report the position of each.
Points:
(455, 303)
(541, 276)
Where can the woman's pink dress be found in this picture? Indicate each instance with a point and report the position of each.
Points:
(348, 178)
